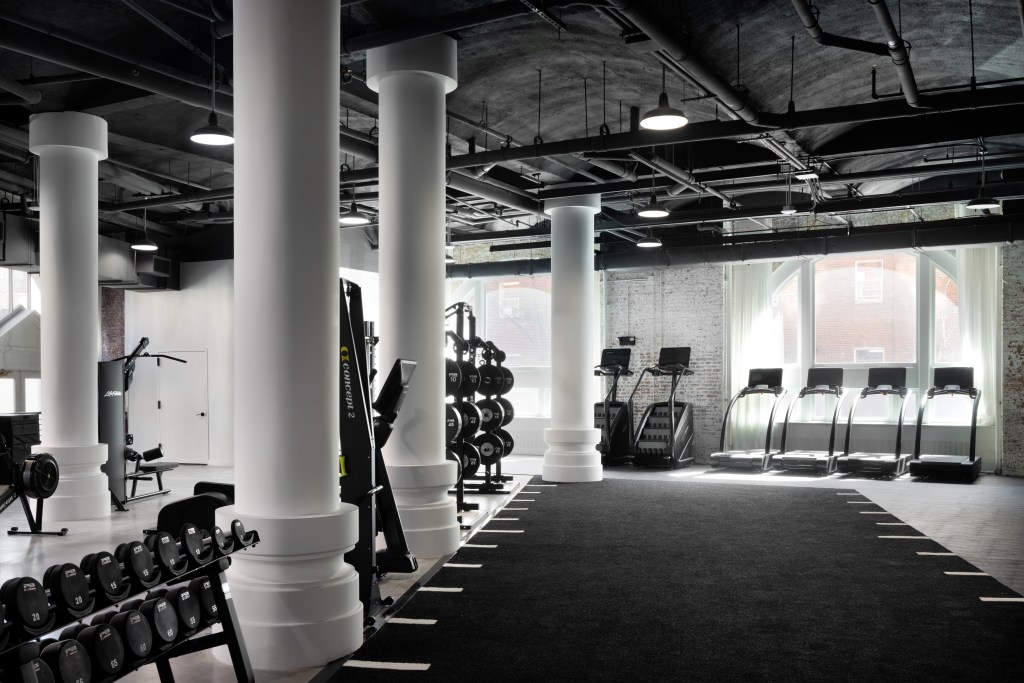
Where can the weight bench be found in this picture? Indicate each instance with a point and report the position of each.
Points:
(146, 470)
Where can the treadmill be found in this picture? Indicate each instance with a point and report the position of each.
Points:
(949, 382)
(883, 382)
(820, 382)
(760, 381)
(613, 417)
(665, 435)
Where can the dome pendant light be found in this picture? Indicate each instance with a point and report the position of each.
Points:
(145, 244)
(353, 216)
(653, 209)
(788, 209)
(213, 133)
(649, 241)
(663, 117)
(982, 201)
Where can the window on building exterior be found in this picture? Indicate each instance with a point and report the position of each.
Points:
(786, 317)
(869, 355)
(845, 319)
(947, 319)
(517, 318)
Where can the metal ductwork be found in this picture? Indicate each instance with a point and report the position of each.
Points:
(515, 200)
(821, 37)
(22, 94)
(937, 235)
(684, 179)
(898, 52)
(170, 200)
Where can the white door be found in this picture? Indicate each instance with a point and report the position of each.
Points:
(183, 408)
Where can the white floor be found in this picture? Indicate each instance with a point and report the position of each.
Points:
(982, 522)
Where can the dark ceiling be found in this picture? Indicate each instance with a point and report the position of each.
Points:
(853, 115)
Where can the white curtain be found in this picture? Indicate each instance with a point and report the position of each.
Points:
(979, 284)
(754, 343)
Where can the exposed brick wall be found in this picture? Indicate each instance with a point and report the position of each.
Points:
(1013, 360)
(673, 307)
(111, 323)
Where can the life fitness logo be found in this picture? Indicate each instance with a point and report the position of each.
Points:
(346, 378)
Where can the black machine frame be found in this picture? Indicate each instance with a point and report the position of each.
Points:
(955, 381)
(24, 474)
(820, 382)
(881, 382)
(677, 451)
(760, 381)
(616, 445)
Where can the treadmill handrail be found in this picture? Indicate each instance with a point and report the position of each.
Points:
(673, 370)
(972, 392)
(903, 392)
(822, 389)
(779, 392)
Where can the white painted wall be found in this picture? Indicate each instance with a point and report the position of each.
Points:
(200, 317)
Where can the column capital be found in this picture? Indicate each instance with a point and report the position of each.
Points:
(67, 129)
(591, 202)
(433, 56)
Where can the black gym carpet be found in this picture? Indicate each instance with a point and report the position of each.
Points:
(648, 581)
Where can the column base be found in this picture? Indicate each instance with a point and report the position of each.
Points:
(572, 455)
(427, 511)
(82, 488)
(297, 600)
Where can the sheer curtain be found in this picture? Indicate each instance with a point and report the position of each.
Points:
(754, 343)
(979, 283)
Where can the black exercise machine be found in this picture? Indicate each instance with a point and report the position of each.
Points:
(664, 437)
(364, 482)
(760, 382)
(949, 382)
(820, 382)
(881, 382)
(613, 417)
(25, 475)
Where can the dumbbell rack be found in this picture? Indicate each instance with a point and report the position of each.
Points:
(463, 352)
(492, 483)
(200, 640)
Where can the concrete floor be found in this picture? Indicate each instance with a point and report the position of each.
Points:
(982, 522)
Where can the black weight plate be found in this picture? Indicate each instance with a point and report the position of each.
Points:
(510, 411)
(491, 448)
(138, 563)
(68, 660)
(452, 422)
(105, 649)
(136, 633)
(510, 443)
(452, 376)
(471, 417)
(69, 588)
(510, 380)
(491, 380)
(40, 475)
(192, 543)
(26, 604)
(470, 455)
(186, 604)
(243, 538)
(166, 553)
(491, 414)
(222, 544)
(203, 589)
(470, 378)
(105, 575)
(162, 619)
(40, 669)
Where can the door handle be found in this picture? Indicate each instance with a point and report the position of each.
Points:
(200, 414)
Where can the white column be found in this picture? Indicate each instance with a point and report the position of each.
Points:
(70, 146)
(572, 439)
(412, 78)
(297, 599)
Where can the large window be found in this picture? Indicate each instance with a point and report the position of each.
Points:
(865, 309)
(947, 319)
(18, 288)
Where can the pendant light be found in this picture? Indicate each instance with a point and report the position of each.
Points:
(213, 133)
(353, 216)
(653, 209)
(649, 241)
(788, 209)
(663, 117)
(449, 254)
(982, 201)
(145, 244)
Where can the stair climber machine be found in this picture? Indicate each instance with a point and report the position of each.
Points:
(949, 382)
(364, 476)
(881, 382)
(665, 435)
(820, 382)
(760, 382)
(613, 417)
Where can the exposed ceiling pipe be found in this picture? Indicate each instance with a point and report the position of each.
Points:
(169, 200)
(899, 54)
(663, 35)
(24, 94)
(60, 47)
(684, 179)
(170, 32)
(821, 37)
(613, 168)
(17, 181)
(521, 201)
(936, 235)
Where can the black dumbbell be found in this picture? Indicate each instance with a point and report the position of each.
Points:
(507, 439)
(137, 561)
(471, 418)
(492, 413)
(160, 615)
(24, 661)
(68, 660)
(69, 590)
(103, 644)
(26, 605)
(470, 456)
(136, 633)
(166, 553)
(186, 606)
(105, 576)
(243, 538)
(221, 544)
(491, 380)
(194, 545)
(510, 411)
(510, 380)
(491, 447)
(202, 587)
(35, 670)
(452, 377)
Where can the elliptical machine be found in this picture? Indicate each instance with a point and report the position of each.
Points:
(613, 417)
(665, 435)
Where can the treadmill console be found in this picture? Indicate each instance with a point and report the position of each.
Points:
(612, 359)
(766, 377)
